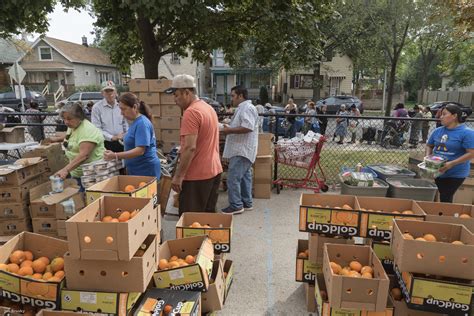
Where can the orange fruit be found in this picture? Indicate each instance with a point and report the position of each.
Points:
(355, 265)
(429, 237)
(13, 268)
(396, 293)
(129, 188)
(408, 212)
(420, 239)
(45, 259)
(17, 256)
(408, 236)
(3, 266)
(39, 266)
(346, 207)
(47, 276)
(107, 219)
(26, 263)
(345, 271)
(396, 212)
(367, 275)
(124, 216)
(28, 255)
(167, 309)
(57, 264)
(37, 276)
(189, 259)
(195, 225)
(366, 269)
(163, 264)
(59, 274)
(25, 271)
(464, 216)
(336, 268)
(54, 279)
(174, 258)
(182, 264)
(48, 268)
(302, 255)
(457, 242)
(141, 184)
(354, 274)
(173, 264)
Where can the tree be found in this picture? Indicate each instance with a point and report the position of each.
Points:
(459, 64)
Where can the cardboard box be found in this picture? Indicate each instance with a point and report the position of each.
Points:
(114, 186)
(155, 110)
(322, 214)
(91, 239)
(448, 213)
(262, 169)
(183, 303)
(229, 277)
(355, 293)
(9, 227)
(159, 85)
(113, 276)
(383, 251)
(119, 304)
(19, 194)
(61, 227)
(220, 231)
(213, 299)
(169, 122)
(47, 312)
(193, 277)
(164, 190)
(262, 191)
(158, 135)
(316, 247)
(44, 204)
(170, 135)
(377, 224)
(325, 309)
(440, 258)
(310, 298)
(401, 309)
(12, 135)
(21, 171)
(138, 85)
(30, 291)
(45, 226)
(447, 296)
(265, 144)
(305, 269)
(150, 98)
(10, 211)
(171, 110)
(53, 153)
(166, 98)
(168, 146)
(465, 193)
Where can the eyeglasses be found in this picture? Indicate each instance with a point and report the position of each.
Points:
(66, 143)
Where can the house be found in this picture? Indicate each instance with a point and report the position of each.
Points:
(56, 63)
(10, 51)
(336, 76)
(171, 65)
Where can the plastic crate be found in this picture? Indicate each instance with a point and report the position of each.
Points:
(385, 171)
(364, 169)
(414, 189)
(379, 189)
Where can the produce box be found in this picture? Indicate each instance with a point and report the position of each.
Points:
(305, 269)
(310, 298)
(47, 312)
(193, 276)
(229, 277)
(217, 226)
(378, 214)
(19, 194)
(53, 153)
(169, 302)
(435, 254)
(384, 252)
(145, 187)
(114, 276)
(461, 214)
(446, 296)
(21, 171)
(29, 291)
(45, 226)
(332, 215)
(10, 227)
(316, 247)
(213, 299)
(265, 144)
(138, 85)
(347, 292)
(90, 238)
(10, 211)
(119, 304)
(158, 85)
(170, 110)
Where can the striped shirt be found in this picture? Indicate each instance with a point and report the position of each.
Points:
(108, 119)
(244, 145)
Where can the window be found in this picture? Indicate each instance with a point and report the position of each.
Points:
(45, 53)
(87, 73)
(103, 76)
(174, 58)
(301, 82)
(91, 96)
(74, 97)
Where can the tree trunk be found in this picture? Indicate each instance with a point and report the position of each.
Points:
(151, 55)
(317, 84)
(391, 85)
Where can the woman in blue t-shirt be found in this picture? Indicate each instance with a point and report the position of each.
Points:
(455, 142)
(139, 141)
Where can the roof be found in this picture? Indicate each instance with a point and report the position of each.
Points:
(9, 51)
(45, 66)
(77, 53)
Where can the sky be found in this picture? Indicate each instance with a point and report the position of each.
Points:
(70, 26)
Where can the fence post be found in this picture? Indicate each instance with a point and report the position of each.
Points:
(275, 132)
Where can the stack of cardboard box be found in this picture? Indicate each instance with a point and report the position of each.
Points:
(166, 114)
(49, 211)
(53, 153)
(262, 169)
(16, 181)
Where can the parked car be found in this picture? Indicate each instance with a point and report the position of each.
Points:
(9, 99)
(83, 97)
(434, 107)
(219, 108)
(334, 103)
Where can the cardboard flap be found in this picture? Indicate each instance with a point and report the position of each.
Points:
(11, 129)
(42, 192)
(28, 161)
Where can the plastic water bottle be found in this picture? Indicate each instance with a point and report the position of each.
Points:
(57, 184)
(359, 167)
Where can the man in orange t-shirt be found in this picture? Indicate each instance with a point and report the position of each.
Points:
(198, 174)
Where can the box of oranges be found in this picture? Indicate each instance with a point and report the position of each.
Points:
(433, 248)
(305, 269)
(131, 186)
(355, 278)
(114, 276)
(217, 226)
(213, 299)
(332, 215)
(168, 302)
(32, 270)
(119, 304)
(111, 228)
(461, 214)
(229, 277)
(384, 252)
(316, 246)
(378, 214)
(438, 295)
(185, 264)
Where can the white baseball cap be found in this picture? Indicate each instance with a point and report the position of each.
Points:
(108, 85)
(181, 82)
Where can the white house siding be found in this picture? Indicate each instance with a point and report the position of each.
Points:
(85, 75)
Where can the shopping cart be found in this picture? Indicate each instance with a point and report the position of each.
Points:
(303, 155)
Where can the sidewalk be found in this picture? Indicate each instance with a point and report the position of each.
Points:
(263, 250)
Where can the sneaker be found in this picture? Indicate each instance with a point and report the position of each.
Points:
(248, 208)
(231, 210)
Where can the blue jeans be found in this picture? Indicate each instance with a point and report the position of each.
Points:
(239, 182)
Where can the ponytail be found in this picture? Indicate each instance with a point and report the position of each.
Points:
(144, 110)
(131, 99)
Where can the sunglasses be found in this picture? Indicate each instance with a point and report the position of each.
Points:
(66, 143)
